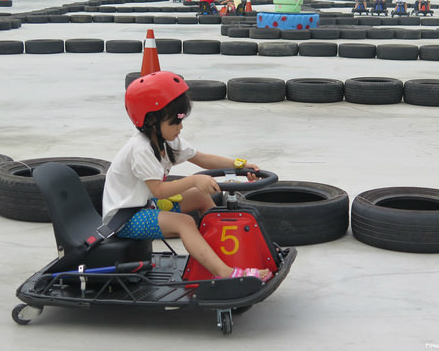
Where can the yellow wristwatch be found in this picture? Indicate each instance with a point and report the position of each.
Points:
(239, 163)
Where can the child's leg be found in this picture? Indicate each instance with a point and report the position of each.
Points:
(193, 199)
(174, 224)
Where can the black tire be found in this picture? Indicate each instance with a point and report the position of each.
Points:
(317, 49)
(356, 50)
(400, 218)
(429, 52)
(124, 19)
(107, 9)
(430, 21)
(168, 46)
(389, 21)
(187, 20)
(239, 48)
(300, 213)
(424, 92)
(380, 33)
(61, 19)
(144, 19)
(203, 47)
(397, 52)
(264, 33)
(409, 21)
(130, 77)
(319, 90)
(373, 90)
(354, 33)
(256, 89)
(407, 34)
(4, 158)
(81, 18)
(20, 197)
(5, 25)
(11, 47)
(209, 19)
(292, 34)
(325, 33)
(206, 90)
(44, 46)
(103, 18)
(165, 20)
(278, 49)
(84, 45)
(37, 19)
(123, 46)
(238, 32)
(369, 21)
(429, 34)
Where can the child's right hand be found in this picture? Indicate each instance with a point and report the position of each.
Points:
(206, 184)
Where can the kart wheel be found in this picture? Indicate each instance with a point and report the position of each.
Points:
(226, 323)
(22, 314)
(398, 218)
(20, 197)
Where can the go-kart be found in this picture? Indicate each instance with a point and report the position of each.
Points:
(400, 10)
(422, 8)
(94, 267)
(360, 9)
(378, 8)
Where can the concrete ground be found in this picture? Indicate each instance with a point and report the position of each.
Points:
(341, 295)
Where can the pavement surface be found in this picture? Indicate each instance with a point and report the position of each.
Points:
(340, 295)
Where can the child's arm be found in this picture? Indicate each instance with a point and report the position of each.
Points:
(209, 161)
(162, 190)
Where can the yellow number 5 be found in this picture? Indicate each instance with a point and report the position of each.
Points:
(225, 237)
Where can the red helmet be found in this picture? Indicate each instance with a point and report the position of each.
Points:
(151, 93)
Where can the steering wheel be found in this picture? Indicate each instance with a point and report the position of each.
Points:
(267, 178)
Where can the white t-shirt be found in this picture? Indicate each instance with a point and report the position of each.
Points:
(134, 164)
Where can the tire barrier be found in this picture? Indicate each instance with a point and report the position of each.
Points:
(314, 90)
(214, 47)
(362, 90)
(300, 213)
(255, 89)
(20, 197)
(399, 218)
(206, 90)
(373, 90)
(424, 92)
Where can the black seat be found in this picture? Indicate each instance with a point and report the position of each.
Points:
(75, 219)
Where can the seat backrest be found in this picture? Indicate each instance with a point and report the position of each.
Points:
(73, 215)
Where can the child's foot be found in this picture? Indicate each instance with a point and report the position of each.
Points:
(263, 274)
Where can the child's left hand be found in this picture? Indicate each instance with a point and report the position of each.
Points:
(251, 176)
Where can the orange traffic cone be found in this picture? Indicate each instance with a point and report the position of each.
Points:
(150, 61)
(248, 6)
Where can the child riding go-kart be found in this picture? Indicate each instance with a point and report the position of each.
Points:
(360, 7)
(422, 7)
(400, 9)
(379, 7)
(96, 268)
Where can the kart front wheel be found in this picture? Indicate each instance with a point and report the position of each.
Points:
(22, 314)
(226, 323)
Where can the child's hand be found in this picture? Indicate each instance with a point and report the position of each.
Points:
(206, 184)
(252, 176)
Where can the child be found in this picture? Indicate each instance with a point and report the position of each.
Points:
(401, 6)
(360, 5)
(157, 105)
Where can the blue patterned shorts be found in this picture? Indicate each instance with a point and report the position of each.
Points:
(144, 225)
